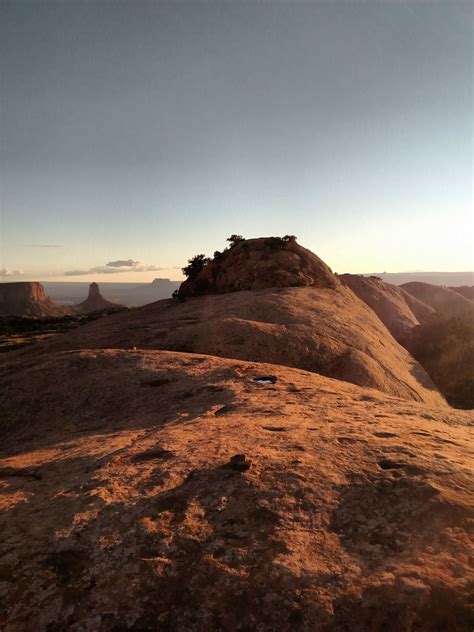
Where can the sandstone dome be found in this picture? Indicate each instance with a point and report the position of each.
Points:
(256, 264)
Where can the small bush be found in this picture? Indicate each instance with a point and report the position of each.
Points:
(234, 240)
(195, 265)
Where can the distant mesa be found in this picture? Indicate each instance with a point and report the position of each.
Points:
(27, 298)
(163, 283)
(95, 302)
(257, 264)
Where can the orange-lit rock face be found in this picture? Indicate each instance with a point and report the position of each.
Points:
(256, 264)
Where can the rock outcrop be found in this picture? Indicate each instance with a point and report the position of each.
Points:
(95, 302)
(27, 298)
(256, 264)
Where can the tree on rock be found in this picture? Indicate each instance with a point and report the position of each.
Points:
(289, 238)
(234, 240)
(195, 265)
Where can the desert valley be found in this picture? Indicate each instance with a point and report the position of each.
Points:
(275, 447)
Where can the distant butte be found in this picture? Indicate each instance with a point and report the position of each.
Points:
(95, 302)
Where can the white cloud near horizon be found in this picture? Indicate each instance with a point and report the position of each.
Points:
(117, 267)
(4, 272)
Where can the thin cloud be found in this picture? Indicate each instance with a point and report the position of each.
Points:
(42, 246)
(123, 263)
(4, 272)
(117, 267)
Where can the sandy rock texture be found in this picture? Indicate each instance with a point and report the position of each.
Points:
(118, 510)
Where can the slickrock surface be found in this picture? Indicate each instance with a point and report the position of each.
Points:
(255, 264)
(327, 331)
(119, 512)
(27, 298)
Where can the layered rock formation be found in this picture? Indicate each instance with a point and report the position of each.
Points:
(95, 302)
(118, 510)
(27, 298)
(255, 264)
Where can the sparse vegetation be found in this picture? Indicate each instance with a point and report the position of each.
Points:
(195, 265)
(234, 240)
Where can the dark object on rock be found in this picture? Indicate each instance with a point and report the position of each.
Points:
(239, 463)
(265, 379)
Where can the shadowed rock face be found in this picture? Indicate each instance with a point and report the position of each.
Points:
(27, 298)
(95, 302)
(256, 264)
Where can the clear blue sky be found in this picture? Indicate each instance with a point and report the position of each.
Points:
(150, 131)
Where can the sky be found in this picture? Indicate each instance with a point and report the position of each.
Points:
(136, 134)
